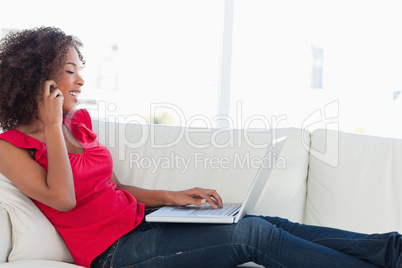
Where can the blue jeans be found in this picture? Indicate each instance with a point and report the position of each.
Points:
(269, 241)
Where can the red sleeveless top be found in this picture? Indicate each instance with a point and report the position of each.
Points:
(103, 212)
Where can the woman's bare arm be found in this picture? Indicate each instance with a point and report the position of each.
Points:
(55, 187)
(31, 179)
(157, 198)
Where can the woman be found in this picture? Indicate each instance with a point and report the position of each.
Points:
(51, 154)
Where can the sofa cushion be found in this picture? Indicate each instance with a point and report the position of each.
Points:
(5, 234)
(38, 264)
(33, 236)
(355, 182)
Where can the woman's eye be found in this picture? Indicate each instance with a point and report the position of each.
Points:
(70, 72)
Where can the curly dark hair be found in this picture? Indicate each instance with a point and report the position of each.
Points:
(27, 59)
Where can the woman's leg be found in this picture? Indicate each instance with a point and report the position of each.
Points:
(381, 249)
(195, 245)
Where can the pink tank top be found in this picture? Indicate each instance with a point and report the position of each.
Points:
(103, 212)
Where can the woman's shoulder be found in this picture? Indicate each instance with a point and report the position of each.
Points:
(12, 136)
(80, 124)
(13, 145)
(5, 142)
(15, 138)
(79, 116)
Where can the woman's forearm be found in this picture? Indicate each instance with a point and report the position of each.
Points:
(157, 198)
(150, 198)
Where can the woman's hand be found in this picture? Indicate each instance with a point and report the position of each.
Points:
(197, 196)
(50, 106)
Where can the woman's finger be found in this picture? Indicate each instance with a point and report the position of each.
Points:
(215, 196)
(49, 86)
(57, 93)
(207, 194)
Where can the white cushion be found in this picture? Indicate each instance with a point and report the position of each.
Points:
(33, 236)
(355, 182)
(38, 264)
(5, 234)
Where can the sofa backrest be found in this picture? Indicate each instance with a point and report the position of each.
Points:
(355, 182)
(176, 158)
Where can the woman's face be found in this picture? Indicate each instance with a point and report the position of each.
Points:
(69, 81)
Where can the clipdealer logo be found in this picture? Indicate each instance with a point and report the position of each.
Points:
(114, 135)
(237, 135)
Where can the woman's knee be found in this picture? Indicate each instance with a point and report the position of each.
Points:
(252, 230)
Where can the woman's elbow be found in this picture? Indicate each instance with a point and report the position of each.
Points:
(65, 204)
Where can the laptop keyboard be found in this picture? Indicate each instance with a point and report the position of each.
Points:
(207, 210)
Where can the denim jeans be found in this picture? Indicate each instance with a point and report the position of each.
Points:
(269, 241)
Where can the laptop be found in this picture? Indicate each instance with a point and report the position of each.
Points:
(229, 213)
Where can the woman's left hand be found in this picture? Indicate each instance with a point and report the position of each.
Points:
(197, 196)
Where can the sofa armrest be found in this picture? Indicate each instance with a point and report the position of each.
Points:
(39, 264)
(5, 234)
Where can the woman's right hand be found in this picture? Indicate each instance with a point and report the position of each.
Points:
(50, 106)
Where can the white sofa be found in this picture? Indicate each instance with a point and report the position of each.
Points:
(326, 178)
